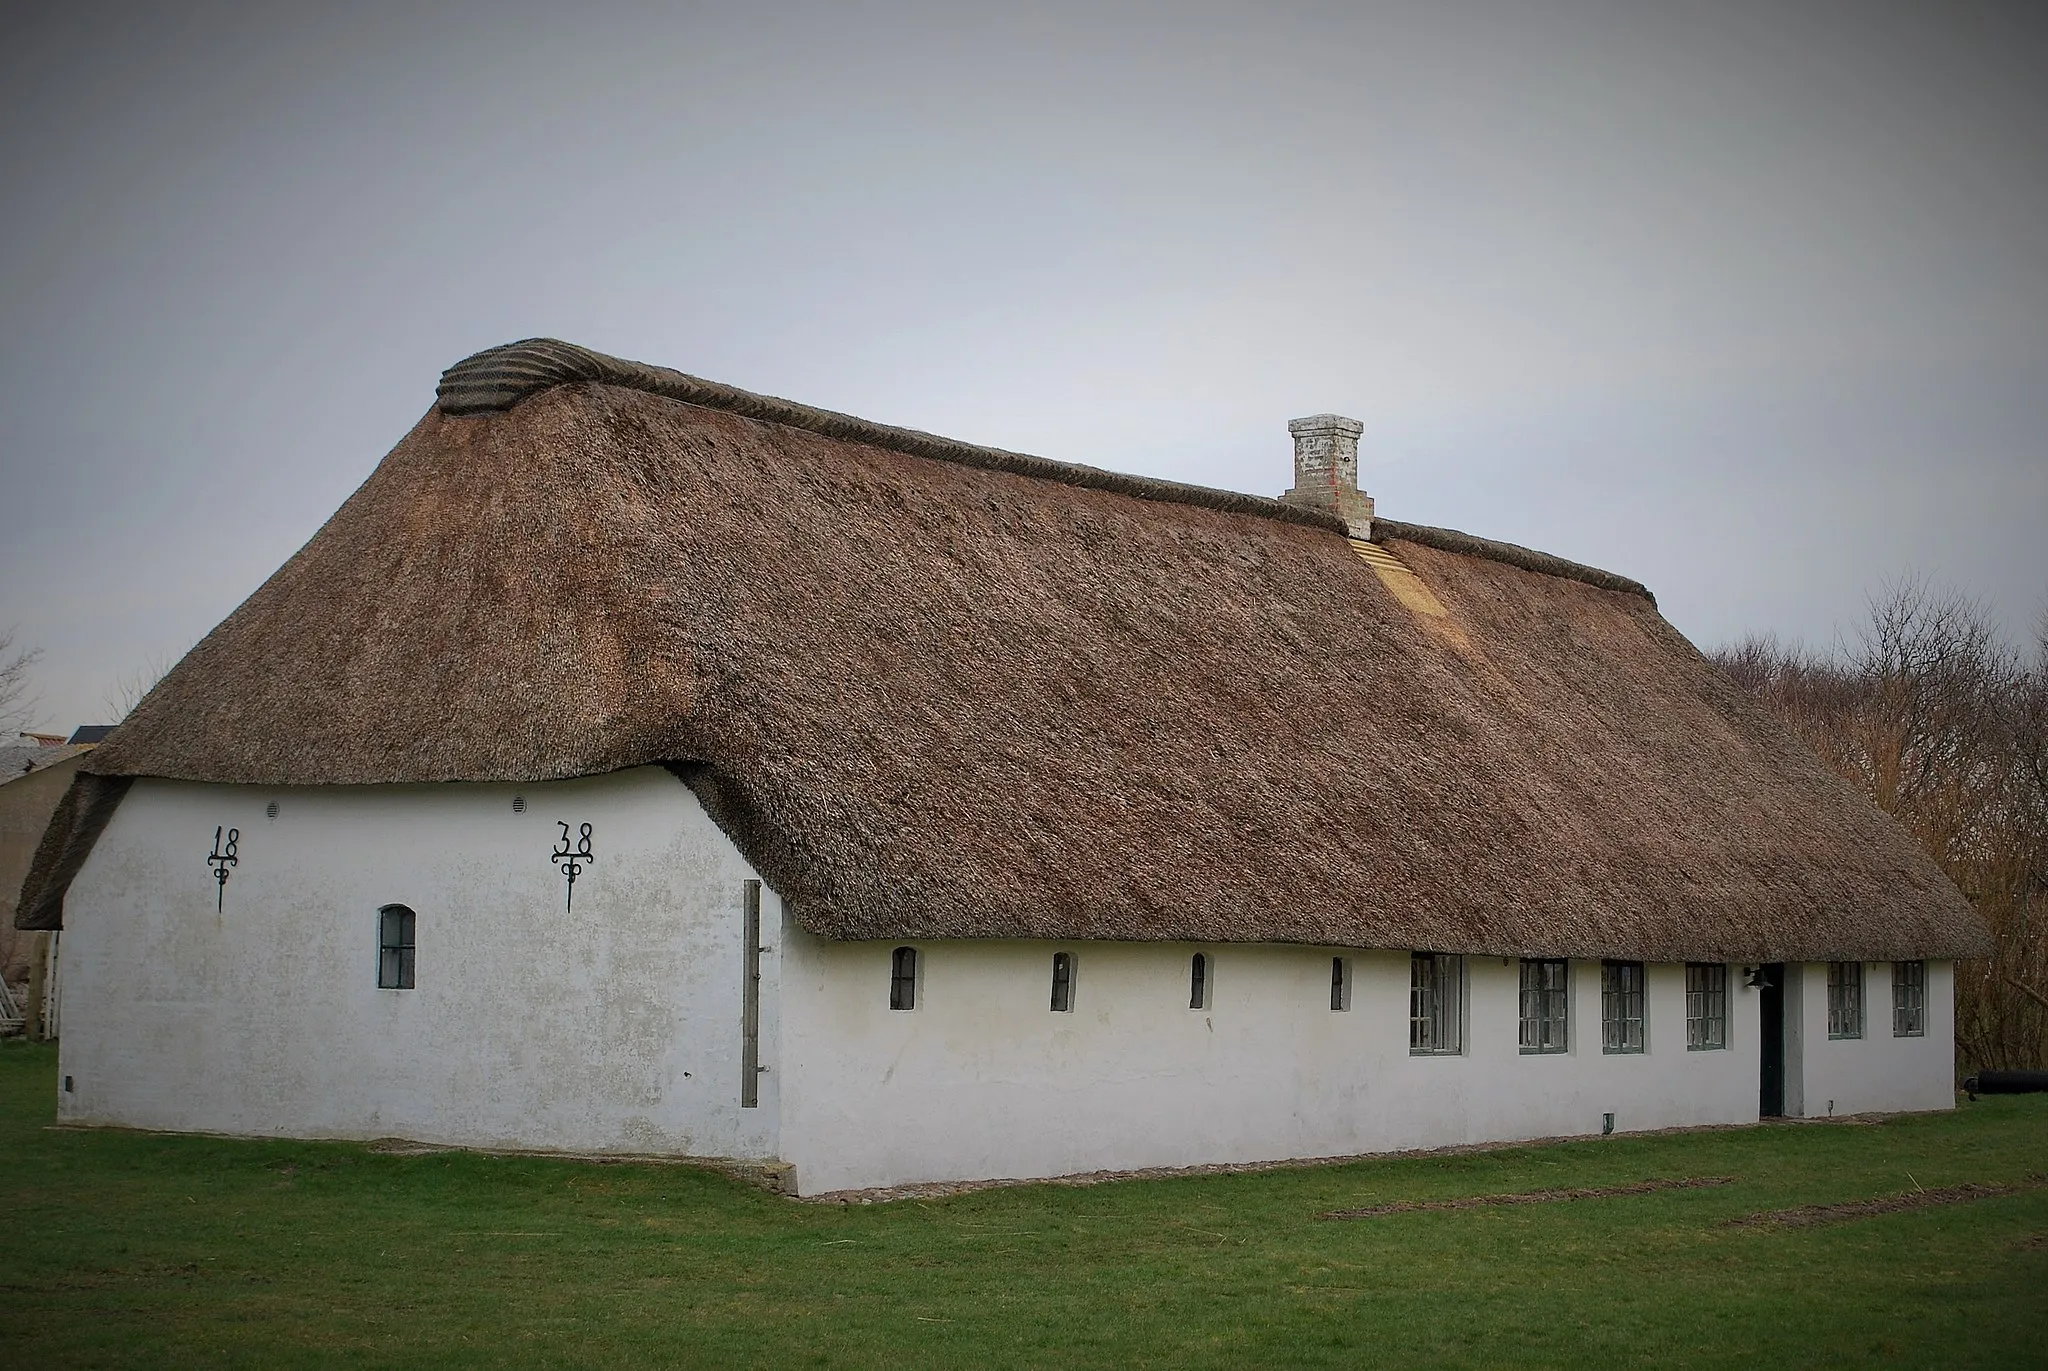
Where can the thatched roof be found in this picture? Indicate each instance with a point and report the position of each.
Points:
(936, 690)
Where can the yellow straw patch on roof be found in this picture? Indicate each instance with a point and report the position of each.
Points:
(1395, 576)
(1418, 599)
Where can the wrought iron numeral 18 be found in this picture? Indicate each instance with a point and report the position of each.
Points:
(220, 859)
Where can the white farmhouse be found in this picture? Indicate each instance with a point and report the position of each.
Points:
(637, 764)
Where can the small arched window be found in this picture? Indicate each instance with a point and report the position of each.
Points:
(1198, 982)
(903, 978)
(396, 927)
(1062, 982)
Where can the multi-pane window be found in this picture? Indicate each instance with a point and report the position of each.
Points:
(1845, 999)
(1062, 982)
(903, 978)
(1621, 1006)
(1909, 999)
(1546, 1004)
(1436, 982)
(1706, 1006)
(1340, 983)
(1198, 982)
(395, 930)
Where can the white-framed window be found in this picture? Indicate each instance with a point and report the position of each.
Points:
(1201, 985)
(1436, 1004)
(1706, 1006)
(1063, 982)
(397, 932)
(1546, 1005)
(1340, 983)
(1621, 1006)
(903, 978)
(1845, 999)
(1909, 999)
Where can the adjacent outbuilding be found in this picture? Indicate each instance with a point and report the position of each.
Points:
(638, 764)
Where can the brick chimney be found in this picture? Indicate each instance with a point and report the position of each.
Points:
(1326, 469)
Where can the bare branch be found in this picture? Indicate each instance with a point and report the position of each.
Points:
(17, 701)
(132, 686)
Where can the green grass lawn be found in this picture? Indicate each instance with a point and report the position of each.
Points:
(141, 1250)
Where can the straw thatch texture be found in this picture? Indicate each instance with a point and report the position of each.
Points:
(940, 698)
(499, 378)
(81, 815)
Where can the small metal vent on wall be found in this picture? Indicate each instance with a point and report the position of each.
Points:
(270, 810)
(518, 804)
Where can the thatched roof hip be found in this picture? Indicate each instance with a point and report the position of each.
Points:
(937, 690)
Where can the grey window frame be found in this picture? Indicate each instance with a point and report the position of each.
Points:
(1546, 1010)
(1845, 1000)
(1706, 1006)
(903, 978)
(1909, 999)
(1436, 1004)
(397, 947)
(1062, 982)
(1623, 1001)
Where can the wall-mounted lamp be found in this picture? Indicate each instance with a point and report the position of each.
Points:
(1756, 978)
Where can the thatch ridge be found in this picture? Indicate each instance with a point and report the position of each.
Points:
(929, 698)
(1469, 545)
(499, 378)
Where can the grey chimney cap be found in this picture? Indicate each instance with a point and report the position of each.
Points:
(1325, 423)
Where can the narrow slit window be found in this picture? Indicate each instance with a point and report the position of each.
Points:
(1845, 999)
(1340, 984)
(1062, 982)
(1198, 982)
(903, 978)
(750, 995)
(1909, 999)
(1546, 1005)
(1621, 1006)
(1706, 1006)
(396, 930)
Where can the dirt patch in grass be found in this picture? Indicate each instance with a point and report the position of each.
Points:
(1576, 1192)
(1812, 1215)
(2033, 1242)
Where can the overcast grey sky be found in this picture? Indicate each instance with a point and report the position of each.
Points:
(1748, 301)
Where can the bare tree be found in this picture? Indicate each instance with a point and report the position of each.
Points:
(17, 701)
(130, 687)
(1945, 726)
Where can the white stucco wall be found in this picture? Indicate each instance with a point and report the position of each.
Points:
(616, 1026)
(1876, 1071)
(612, 1027)
(982, 1079)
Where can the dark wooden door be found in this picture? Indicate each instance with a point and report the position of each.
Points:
(1771, 1028)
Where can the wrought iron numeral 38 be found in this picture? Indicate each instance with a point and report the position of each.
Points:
(220, 859)
(572, 860)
